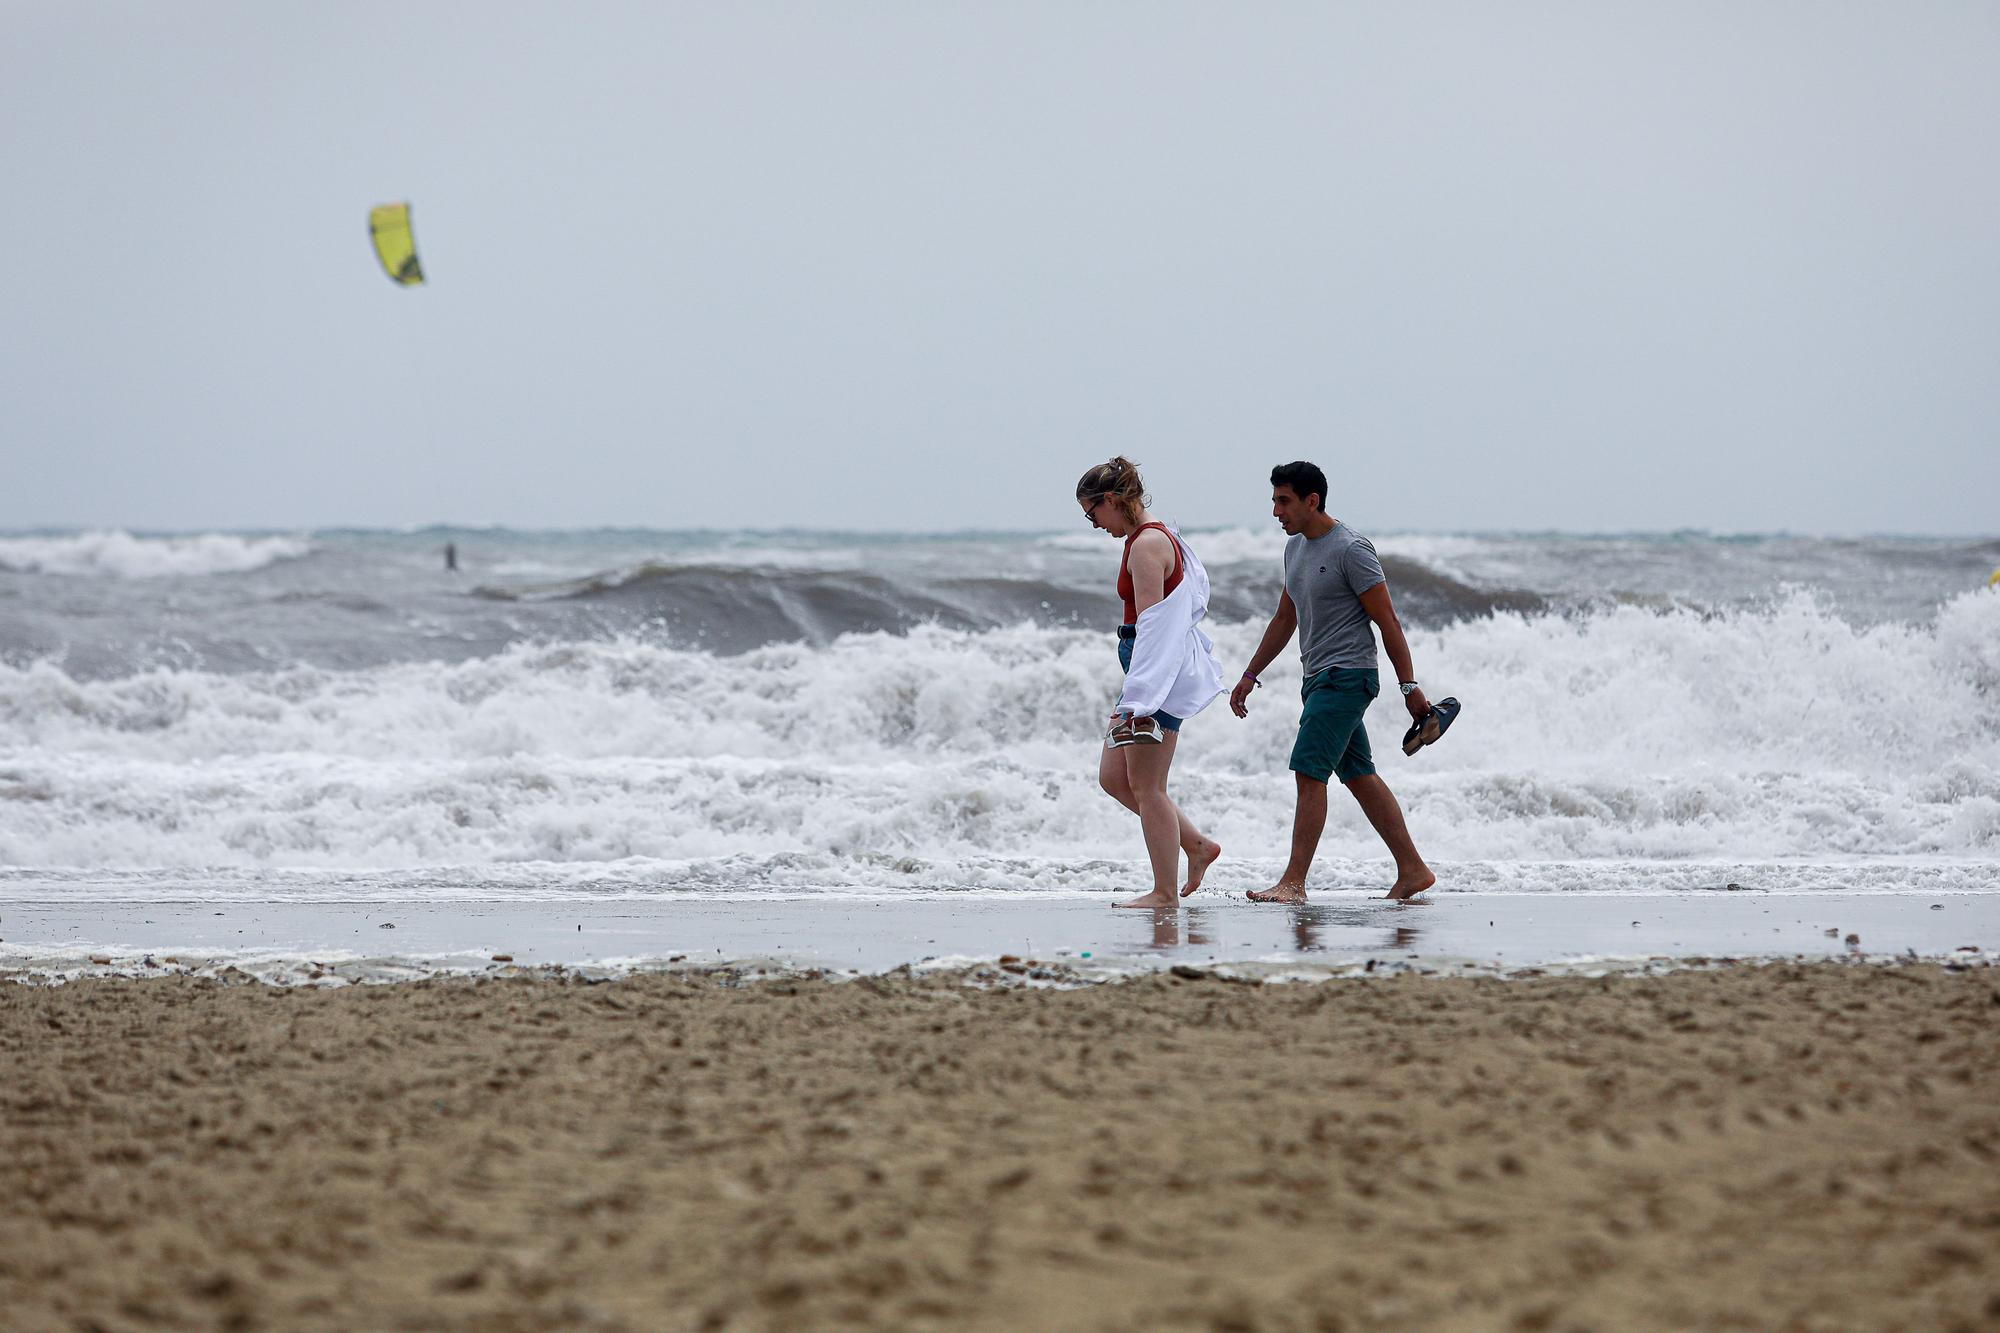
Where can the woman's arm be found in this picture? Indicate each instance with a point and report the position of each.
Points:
(1151, 557)
(1151, 561)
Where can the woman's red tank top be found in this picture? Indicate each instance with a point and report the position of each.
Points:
(1125, 589)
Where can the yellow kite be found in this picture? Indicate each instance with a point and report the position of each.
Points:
(395, 243)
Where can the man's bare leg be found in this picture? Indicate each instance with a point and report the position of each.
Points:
(1201, 850)
(1146, 775)
(1379, 804)
(1308, 822)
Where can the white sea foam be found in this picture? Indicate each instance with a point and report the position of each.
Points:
(1623, 737)
(1454, 556)
(733, 556)
(1468, 559)
(1262, 545)
(122, 555)
(1216, 546)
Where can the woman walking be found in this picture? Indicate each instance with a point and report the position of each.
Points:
(1171, 674)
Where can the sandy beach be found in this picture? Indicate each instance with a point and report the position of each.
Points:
(1784, 1146)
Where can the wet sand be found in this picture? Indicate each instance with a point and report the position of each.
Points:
(1788, 1146)
(1333, 933)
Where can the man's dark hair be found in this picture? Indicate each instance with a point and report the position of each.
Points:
(1303, 478)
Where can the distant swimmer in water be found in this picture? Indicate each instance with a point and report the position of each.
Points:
(1170, 674)
(1334, 589)
(451, 556)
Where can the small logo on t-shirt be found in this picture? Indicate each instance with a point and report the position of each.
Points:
(1322, 569)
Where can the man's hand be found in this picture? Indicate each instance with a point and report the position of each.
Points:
(1417, 704)
(1239, 698)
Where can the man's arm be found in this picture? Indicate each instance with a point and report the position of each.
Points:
(1383, 612)
(1276, 635)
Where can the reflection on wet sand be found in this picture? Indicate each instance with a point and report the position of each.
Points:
(1168, 928)
(1315, 927)
(1310, 919)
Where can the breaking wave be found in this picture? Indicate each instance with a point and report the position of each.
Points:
(123, 555)
(731, 610)
(1616, 735)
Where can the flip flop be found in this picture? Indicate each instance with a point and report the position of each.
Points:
(1134, 731)
(1431, 726)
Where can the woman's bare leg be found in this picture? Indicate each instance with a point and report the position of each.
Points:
(1112, 775)
(1146, 769)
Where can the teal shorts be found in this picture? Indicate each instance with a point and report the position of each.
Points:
(1331, 738)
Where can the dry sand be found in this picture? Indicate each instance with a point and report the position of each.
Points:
(1761, 1148)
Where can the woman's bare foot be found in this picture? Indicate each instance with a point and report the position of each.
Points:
(1281, 892)
(1156, 900)
(1407, 887)
(1199, 861)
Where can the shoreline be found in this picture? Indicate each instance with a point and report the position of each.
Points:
(1333, 935)
(1770, 1146)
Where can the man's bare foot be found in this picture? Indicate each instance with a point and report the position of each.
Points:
(1156, 900)
(1199, 861)
(1407, 887)
(1281, 892)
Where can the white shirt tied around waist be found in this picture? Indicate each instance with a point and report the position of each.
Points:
(1173, 660)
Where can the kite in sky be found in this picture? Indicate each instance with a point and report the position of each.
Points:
(395, 243)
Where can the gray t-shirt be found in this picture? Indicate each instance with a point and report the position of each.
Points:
(1326, 577)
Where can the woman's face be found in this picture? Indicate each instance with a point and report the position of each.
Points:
(1106, 514)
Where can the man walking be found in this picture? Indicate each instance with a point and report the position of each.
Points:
(1335, 597)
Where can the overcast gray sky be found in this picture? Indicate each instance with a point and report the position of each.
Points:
(1495, 266)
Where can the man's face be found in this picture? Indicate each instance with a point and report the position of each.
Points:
(1290, 511)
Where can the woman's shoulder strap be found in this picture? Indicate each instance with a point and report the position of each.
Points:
(1172, 536)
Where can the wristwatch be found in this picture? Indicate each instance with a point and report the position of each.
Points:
(1408, 687)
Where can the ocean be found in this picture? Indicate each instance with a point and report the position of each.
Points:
(639, 715)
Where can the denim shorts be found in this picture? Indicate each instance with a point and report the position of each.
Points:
(1331, 738)
(1165, 719)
